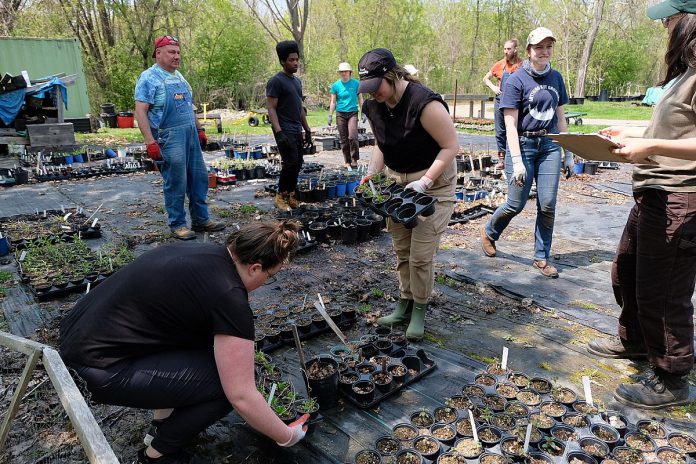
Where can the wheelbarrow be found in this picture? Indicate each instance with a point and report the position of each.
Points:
(256, 116)
(576, 115)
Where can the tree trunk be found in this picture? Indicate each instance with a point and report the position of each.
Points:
(587, 51)
(474, 42)
(8, 15)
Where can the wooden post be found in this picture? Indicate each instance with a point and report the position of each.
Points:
(59, 104)
(454, 109)
(483, 109)
(19, 392)
(471, 108)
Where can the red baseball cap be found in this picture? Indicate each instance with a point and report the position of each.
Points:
(164, 41)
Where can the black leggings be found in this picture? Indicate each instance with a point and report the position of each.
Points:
(186, 380)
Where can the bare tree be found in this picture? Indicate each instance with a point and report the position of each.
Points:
(8, 15)
(587, 51)
(275, 22)
(140, 20)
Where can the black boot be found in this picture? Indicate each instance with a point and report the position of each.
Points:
(656, 390)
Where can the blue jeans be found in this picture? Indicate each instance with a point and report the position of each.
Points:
(184, 174)
(499, 120)
(542, 159)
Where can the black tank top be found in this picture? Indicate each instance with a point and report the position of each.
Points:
(399, 134)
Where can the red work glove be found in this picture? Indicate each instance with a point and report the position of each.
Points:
(298, 431)
(202, 138)
(153, 151)
(365, 179)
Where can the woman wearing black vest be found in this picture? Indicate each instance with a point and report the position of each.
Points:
(417, 142)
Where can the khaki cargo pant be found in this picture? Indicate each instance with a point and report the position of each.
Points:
(415, 248)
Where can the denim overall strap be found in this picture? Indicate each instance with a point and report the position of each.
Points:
(182, 166)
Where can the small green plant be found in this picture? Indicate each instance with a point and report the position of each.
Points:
(5, 276)
(309, 405)
(377, 293)
(550, 444)
(364, 308)
(248, 209)
(260, 357)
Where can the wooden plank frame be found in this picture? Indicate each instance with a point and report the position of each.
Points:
(91, 436)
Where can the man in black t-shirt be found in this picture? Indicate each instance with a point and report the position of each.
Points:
(173, 332)
(288, 118)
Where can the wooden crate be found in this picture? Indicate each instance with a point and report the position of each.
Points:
(44, 135)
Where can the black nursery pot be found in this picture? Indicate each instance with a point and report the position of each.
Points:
(333, 230)
(324, 390)
(364, 226)
(319, 230)
(363, 391)
(349, 233)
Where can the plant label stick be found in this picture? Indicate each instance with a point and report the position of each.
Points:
(372, 187)
(23, 255)
(588, 390)
(527, 436)
(331, 323)
(298, 346)
(65, 218)
(272, 393)
(94, 223)
(473, 425)
(89, 285)
(503, 362)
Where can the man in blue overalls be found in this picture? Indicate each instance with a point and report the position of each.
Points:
(173, 137)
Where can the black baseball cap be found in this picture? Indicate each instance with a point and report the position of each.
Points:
(372, 67)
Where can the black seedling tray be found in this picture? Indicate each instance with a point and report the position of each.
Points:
(314, 330)
(84, 173)
(470, 214)
(426, 365)
(86, 232)
(58, 290)
(421, 204)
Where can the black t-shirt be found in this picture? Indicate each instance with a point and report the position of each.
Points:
(288, 91)
(175, 296)
(399, 134)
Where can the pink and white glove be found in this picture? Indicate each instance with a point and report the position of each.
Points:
(420, 185)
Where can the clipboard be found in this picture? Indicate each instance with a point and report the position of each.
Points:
(593, 147)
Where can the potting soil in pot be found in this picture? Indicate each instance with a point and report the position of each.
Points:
(594, 440)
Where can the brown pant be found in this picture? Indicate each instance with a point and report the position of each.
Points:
(653, 276)
(415, 248)
(347, 124)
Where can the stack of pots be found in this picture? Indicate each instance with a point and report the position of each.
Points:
(108, 114)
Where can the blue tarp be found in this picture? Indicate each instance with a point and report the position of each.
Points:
(10, 104)
(653, 94)
(49, 88)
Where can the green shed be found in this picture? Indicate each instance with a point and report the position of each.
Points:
(44, 57)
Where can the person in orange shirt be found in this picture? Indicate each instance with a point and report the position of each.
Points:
(501, 70)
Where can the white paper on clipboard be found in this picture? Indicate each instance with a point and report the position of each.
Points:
(592, 147)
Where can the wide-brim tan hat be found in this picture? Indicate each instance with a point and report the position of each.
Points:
(344, 67)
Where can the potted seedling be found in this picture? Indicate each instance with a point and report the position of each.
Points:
(538, 457)
(540, 385)
(489, 435)
(513, 448)
(445, 415)
(367, 457)
(495, 402)
(408, 457)
(322, 377)
(363, 391)
(492, 458)
(452, 457)
(404, 432)
(639, 440)
(387, 446)
(347, 380)
(520, 380)
(670, 455)
(445, 433)
(627, 455)
(529, 397)
(594, 447)
(553, 409)
(503, 421)
(459, 402)
(422, 419)
(507, 390)
(468, 447)
(605, 433)
(486, 380)
(651, 428)
(427, 446)
(575, 419)
(308, 406)
(470, 390)
(564, 395)
(683, 443)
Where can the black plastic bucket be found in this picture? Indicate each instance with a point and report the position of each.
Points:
(364, 226)
(591, 167)
(324, 390)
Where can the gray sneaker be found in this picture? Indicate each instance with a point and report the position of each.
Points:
(655, 391)
(617, 348)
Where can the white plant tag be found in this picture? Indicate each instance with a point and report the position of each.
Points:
(22, 256)
(527, 437)
(65, 218)
(89, 285)
(272, 393)
(503, 362)
(473, 425)
(588, 390)
(94, 223)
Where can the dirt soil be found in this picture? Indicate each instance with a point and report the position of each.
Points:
(478, 306)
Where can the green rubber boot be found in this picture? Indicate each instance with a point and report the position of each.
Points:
(417, 326)
(401, 313)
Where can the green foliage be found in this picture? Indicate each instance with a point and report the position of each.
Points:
(5, 276)
(377, 293)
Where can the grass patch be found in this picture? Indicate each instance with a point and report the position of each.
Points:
(5, 276)
(611, 110)
(584, 304)
(483, 359)
(686, 411)
(544, 365)
(444, 280)
(364, 308)
(248, 209)
(222, 212)
(377, 293)
(593, 374)
(434, 339)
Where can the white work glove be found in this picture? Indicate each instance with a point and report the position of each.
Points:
(420, 185)
(298, 429)
(330, 119)
(519, 172)
(568, 163)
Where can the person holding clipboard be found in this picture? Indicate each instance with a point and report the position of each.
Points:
(654, 269)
